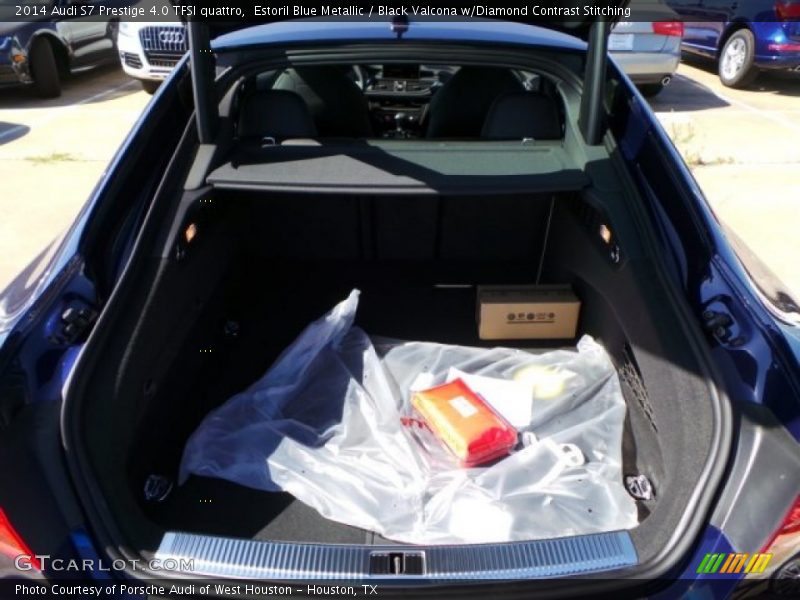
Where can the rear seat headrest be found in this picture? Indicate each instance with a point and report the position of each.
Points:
(518, 115)
(275, 113)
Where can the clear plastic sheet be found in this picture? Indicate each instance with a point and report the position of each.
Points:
(326, 424)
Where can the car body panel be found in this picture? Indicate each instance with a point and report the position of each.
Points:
(80, 42)
(759, 363)
(16, 39)
(579, 25)
(651, 58)
(326, 32)
(645, 56)
(708, 23)
(649, 67)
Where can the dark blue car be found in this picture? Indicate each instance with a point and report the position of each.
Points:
(282, 165)
(42, 51)
(744, 37)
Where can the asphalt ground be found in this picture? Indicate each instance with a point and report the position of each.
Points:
(52, 153)
(742, 146)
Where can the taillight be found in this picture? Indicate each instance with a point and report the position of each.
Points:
(783, 544)
(787, 47)
(787, 10)
(790, 524)
(668, 28)
(12, 545)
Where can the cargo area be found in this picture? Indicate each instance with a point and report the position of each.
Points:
(252, 269)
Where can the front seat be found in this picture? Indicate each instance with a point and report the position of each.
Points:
(277, 114)
(519, 115)
(460, 106)
(337, 104)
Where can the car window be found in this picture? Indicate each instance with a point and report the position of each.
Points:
(410, 101)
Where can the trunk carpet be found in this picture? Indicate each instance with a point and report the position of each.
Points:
(217, 507)
(404, 305)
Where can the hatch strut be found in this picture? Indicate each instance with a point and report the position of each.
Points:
(590, 120)
(202, 64)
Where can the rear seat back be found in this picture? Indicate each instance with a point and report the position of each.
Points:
(519, 115)
(277, 114)
(466, 228)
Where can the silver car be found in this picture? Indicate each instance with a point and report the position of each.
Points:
(648, 51)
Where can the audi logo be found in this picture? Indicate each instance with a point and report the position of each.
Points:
(170, 37)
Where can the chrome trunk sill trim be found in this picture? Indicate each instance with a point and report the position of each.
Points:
(250, 559)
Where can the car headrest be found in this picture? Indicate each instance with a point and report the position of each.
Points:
(275, 113)
(460, 106)
(518, 115)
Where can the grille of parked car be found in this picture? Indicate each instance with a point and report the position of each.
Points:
(132, 60)
(163, 46)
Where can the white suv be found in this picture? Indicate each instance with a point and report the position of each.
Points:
(149, 51)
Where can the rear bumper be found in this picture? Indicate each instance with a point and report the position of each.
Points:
(784, 60)
(647, 67)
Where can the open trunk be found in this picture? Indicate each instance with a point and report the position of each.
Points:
(260, 266)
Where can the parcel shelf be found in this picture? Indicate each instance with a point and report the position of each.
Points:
(401, 168)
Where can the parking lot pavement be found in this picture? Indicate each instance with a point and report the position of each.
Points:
(742, 148)
(52, 153)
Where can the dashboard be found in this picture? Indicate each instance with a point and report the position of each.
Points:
(399, 96)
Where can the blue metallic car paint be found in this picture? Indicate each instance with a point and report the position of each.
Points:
(759, 362)
(717, 19)
(493, 32)
(690, 584)
(32, 304)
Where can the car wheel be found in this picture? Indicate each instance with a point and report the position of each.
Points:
(649, 90)
(150, 86)
(44, 69)
(736, 68)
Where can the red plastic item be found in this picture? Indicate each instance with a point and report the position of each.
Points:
(468, 426)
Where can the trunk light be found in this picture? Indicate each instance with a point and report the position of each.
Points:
(787, 10)
(190, 233)
(668, 28)
(605, 233)
(12, 544)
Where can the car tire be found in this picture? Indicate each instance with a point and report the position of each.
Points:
(44, 69)
(150, 86)
(736, 66)
(650, 90)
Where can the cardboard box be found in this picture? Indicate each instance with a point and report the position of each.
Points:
(517, 312)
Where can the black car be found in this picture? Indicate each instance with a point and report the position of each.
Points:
(42, 53)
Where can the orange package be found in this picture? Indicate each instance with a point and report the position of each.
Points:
(465, 423)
